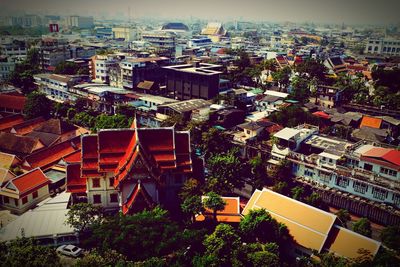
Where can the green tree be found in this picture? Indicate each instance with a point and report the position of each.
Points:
(104, 121)
(363, 227)
(215, 203)
(192, 205)
(82, 216)
(258, 173)
(221, 245)
(314, 200)
(215, 141)
(83, 119)
(225, 173)
(68, 68)
(297, 192)
(258, 254)
(22, 76)
(150, 233)
(80, 104)
(259, 226)
(24, 252)
(300, 91)
(38, 105)
(343, 216)
(313, 69)
(102, 259)
(391, 237)
(282, 76)
(191, 187)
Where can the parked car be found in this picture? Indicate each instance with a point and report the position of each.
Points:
(70, 250)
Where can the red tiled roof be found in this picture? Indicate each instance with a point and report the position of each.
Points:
(371, 122)
(49, 156)
(383, 156)
(321, 114)
(74, 157)
(12, 101)
(29, 181)
(231, 212)
(28, 126)
(393, 156)
(10, 121)
(89, 156)
(75, 182)
(161, 139)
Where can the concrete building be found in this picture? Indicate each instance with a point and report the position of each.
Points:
(56, 86)
(187, 81)
(128, 34)
(132, 71)
(79, 22)
(162, 41)
(7, 66)
(383, 46)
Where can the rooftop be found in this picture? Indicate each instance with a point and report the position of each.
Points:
(188, 105)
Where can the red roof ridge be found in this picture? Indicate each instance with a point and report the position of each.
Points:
(29, 184)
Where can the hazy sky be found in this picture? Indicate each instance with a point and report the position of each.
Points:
(337, 11)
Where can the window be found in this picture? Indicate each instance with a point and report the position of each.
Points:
(113, 198)
(379, 193)
(342, 181)
(24, 200)
(324, 177)
(16, 202)
(6, 199)
(111, 182)
(35, 194)
(367, 167)
(388, 172)
(308, 173)
(396, 199)
(95, 183)
(360, 187)
(96, 199)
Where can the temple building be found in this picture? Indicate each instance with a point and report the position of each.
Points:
(131, 169)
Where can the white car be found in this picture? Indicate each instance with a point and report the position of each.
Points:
(70, 250)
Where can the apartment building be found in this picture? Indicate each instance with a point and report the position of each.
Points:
(163, 41)
(135, 70)
(100, 67)
(7, 66)
(383, 46)
(56, 86)
(363, 178)
(79, 22)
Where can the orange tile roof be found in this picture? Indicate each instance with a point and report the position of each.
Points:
(75, 182)
(30, 181)
(371, 122)
(12, 101)
(231, 212)
(49, 156)
(9, 121)
(27, 126)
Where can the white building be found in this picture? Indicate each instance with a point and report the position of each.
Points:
(383, 46)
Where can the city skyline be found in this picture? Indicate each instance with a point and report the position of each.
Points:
(348, 12)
